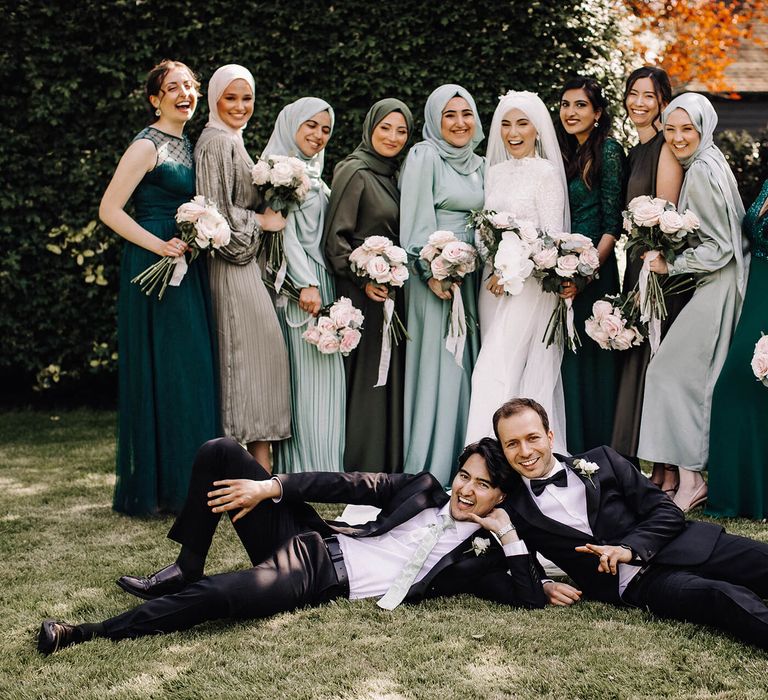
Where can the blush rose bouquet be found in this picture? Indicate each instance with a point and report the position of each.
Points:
(615, 322)
(557, 258)
(379, 260)
(201, 226)
(654, 227)
(449, 260)
(760, 360)
(336, 329)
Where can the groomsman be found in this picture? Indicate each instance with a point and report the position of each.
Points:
(423, 544)
(621, 539)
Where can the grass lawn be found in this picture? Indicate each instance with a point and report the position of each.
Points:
(62, 547)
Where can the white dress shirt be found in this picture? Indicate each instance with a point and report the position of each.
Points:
(568, 505)
(373, 563)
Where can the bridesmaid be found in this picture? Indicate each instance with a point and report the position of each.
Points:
(318, 396)
(594, 166)
(166, 371)
(653, 171)
(442, 181)
(253, 362)
(365, 202)
(738, 448)
(681, 376)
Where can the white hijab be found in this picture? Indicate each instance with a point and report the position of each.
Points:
(547, 146)
(218, 83)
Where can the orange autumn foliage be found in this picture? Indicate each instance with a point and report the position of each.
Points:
(700, 38)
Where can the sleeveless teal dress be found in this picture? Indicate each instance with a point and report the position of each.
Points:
(738, 444)
(590, 377)
(167, 379)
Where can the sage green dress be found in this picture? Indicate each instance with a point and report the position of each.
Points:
(738, 442)
(167, 373)
(590, 375)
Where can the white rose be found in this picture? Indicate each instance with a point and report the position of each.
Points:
(282, 174)
(690, 221)
(670, 222)
(359, 258)
(567, 265)
(297, 167)
(640, 201)
(648, 213)
(260, 173)
(210, 227)
(395, 254)
(546, 259)
(190, 211)
(528, 232)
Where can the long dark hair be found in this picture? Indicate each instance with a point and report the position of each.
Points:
(661, 86)
(585, 160)
(154, 83)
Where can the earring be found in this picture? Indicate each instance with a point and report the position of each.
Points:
(597, 123)
(158, 113)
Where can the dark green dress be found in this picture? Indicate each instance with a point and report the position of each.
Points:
(167, 390)
(590, 375)
(374, 436)
(738, 438)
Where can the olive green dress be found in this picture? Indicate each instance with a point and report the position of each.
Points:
(590, 376)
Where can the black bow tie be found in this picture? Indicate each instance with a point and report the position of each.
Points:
(559, 479)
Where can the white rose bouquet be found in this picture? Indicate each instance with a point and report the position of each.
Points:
(449, 260)
(200, 226)
(615, 322)
(336, 329)
(283, 182)
(760, 360)
(654, 227)
(560, 257)
(381, 261)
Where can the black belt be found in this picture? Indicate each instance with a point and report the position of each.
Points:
(337, 557)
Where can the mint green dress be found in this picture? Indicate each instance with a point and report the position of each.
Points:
(738, 444)
(590, 377)
(167, 374)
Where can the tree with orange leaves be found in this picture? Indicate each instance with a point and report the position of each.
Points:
(694, 39)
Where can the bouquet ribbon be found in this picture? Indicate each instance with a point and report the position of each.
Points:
(386, 343)
(569, 322)
(457, 331)
(280, 276)
(179, 270)
(646, 315)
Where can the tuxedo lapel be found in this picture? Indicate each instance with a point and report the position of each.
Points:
(522, 501)
(457, 553)
(591, 490)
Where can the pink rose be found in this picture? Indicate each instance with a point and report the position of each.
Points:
(595, 331)
(311, 335)
(377, 244)
(441, 268)
(760, 363)
(328, 344)
(546, 259)
(398, 275)
(567, 265)
(191, 211)
(396, 254)
(612, 324)
(358, 259)
(211, 227)
(429, 252)
(646, 213)
(670, 221)
(502, 220)
(378, 269)
(440, 238)
(325, 324)
(454, 252)
(575, 243)
(282, 174)
(589, 261)
(528, 232)
(350, 339)
(761, 345)
(260, 173)
(690, 221)
(624, 339)
(601, 309)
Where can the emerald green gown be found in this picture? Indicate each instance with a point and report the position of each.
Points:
(167, 378)
(738, 443)
(590, 376)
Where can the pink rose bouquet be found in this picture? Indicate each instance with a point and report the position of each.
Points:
(655, 227)
(760, 360)
(336, 329)
(557, 258)
(201, 226)
(615, 322)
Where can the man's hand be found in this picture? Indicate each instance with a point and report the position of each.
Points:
(496, 520)
(561, 593)
(244, 494)
(610, 556)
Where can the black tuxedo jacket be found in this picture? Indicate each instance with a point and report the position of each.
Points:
(623, 508)
(510, 580)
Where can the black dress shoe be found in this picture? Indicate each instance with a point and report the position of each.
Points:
(55, 635)
(168, 580)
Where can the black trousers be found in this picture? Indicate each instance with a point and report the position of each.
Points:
(726, 591)
(292, 565)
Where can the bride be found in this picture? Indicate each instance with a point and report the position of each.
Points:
(525, 179)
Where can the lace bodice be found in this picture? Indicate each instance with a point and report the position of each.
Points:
(527, 188)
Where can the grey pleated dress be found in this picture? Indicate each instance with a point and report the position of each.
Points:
(253, 361)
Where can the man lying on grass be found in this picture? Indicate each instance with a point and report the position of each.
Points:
(423, 544)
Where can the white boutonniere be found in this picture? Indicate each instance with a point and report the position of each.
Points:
(480, 546)
(585, 468)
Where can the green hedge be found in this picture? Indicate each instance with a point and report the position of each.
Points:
(72, 79)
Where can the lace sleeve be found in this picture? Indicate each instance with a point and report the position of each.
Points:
(550, 200)
(612, 188)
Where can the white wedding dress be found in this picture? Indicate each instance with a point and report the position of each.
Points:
(513, 359)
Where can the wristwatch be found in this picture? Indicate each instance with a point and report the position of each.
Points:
(505, 530)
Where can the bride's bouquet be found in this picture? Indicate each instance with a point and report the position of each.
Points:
(336, 329)
(282, 181)
(507, 244)
(449, 261)
(200, 226)
(654, 227)
(615, 322)
(558, 258)
(381, 261)
(760, 360)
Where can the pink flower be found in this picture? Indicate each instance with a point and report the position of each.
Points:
(503, 220)
(670, 222)
(690, 221)
(762, 345)
(350, 339)
(625, 339)
(441, 268)
(398, 275)
(359, 258)
(378, 269)
(546, 259)
(191, 211)
(646, 213)
(260, 173)
(377, 244)
(601, 309)
(429, 252)
(454, 252)
(589, 261)
(311, 335)
(282, 174)
(440, 238)
(595, 331)
(396, 254)
(528, 232)
(326, 324)
(211, 228)
(567, 265)
(329, 343)
(612, 324)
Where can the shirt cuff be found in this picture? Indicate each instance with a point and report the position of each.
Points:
(280, 497)
(514, 549)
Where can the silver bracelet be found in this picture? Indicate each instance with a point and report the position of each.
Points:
(505, 530)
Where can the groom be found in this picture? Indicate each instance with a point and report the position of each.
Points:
(621, 539)
(422, 545)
